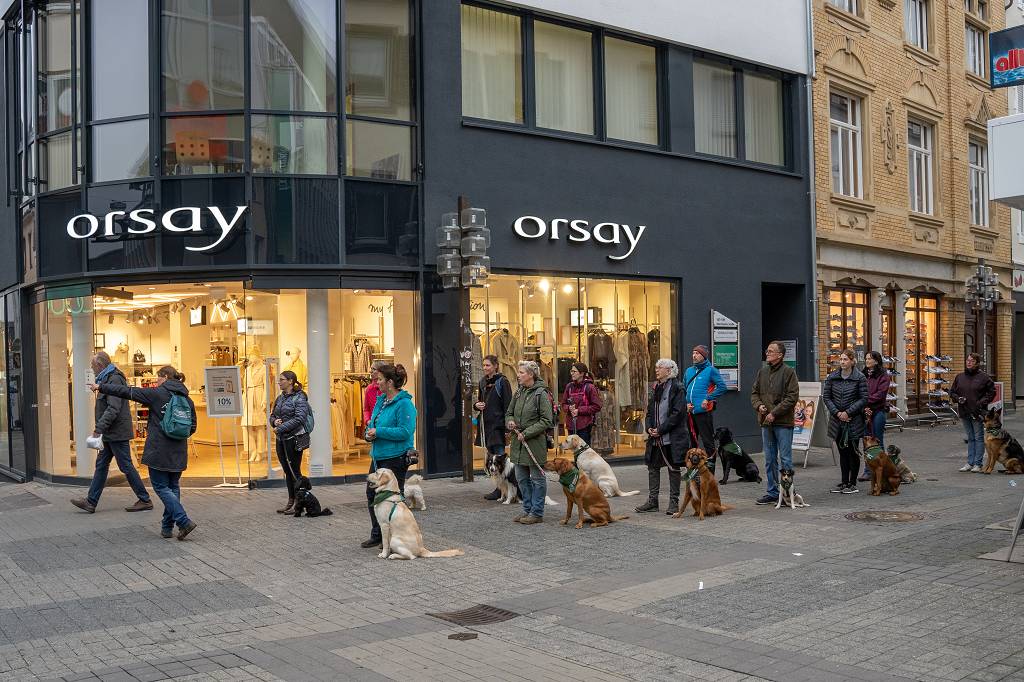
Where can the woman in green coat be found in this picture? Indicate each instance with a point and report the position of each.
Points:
(528, 418)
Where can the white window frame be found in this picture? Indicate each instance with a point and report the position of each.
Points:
(975, 39)
(920, 169)
(845, 5)
(915, 22)
(978, 183)
(850, 151)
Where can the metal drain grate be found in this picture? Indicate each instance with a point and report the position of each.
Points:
(462, 636)
(481, 614)
(885, 516)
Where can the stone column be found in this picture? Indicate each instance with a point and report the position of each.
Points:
(319, 390)
(81, 401)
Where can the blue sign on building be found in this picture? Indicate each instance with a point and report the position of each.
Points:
(1006, 50)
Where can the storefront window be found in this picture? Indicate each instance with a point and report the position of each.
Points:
(619, 328)
(329, 338)
(378, 150)
(120, 151)
(847, 323)
(926, 372)
(15, 382)
(203, 61)
(195, 145)
(294, 145)
(377, 59)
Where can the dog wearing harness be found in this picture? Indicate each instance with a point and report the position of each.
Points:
(400, 534)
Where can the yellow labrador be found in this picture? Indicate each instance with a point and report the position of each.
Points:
(594, 466)
(400, 535)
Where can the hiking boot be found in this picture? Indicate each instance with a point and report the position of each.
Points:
(139, 506)
(965, 468)
(531, 519)
(367, 544)
(85, 505)
(648, 506)
(850, 489)
(166, 533)
(288, 508)
(518, 518)
(183, 532)
(838, 488)
(496, 495)
(767, 499)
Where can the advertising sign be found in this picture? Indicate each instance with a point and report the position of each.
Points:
(790, 357)
(997, 402)
(223, 391)
(1006, 50)
(1018, 280)
(810, 421)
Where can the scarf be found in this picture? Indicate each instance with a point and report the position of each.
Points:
(691, 474)
(570, 479)
(106, 372)
(872, 453)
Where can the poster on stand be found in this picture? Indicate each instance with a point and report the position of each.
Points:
(997, 402)
(810, 420)
(223, 391)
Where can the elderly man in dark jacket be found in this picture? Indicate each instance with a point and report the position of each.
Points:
(773, 396)
(972, 391)
(668, 435)
(845, 395)
(114, 426)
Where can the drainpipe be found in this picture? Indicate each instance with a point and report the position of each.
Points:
(812, 197)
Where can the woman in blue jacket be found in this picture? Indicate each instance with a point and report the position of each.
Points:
(391, 431)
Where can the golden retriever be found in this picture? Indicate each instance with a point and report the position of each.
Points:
(400, 535)
(584, 493)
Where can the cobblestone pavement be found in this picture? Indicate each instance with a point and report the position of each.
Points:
(757, 594)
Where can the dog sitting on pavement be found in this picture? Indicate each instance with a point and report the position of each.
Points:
(594, 466)
(906, 475)
(788, 495)
(582, 492)
(305, 500)
(400, 534)
(1001, 447)
(885, 477)
(734, 459)
(414, 493)
(503, 472)
(701, 488)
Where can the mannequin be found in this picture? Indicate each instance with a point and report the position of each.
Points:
(254, 413)
(121, 354)
(293, 356)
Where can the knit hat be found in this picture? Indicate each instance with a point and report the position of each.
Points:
(703, 350)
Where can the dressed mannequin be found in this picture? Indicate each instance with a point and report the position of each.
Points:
(254, 412)
(121, 354)
(293, 356)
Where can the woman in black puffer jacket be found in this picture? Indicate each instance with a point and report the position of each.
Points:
(288, 419)
(845, 394)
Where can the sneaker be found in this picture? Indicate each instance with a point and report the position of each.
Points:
(850, 489)
(963, 469)
(84, 505)
(367, 544)
(166, 533)
(531, 519)
(838, 488)
(139, 506)
(493, 496)
(767, 499)
(975, 469)
(648, 506)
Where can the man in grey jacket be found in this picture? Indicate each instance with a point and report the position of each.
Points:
(114, 425)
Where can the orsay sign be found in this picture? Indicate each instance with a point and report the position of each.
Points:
(532, 227)
(183, 219)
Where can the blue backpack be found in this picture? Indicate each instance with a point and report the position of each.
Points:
(176, 422)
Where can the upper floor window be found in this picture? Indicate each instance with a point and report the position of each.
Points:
(631, 91)
(845, 5)
(492, 65)
(564, 77)
(203, 61)
(977, 163)
(978, 8)
(919, 167)
(714, 108)
(845, 144)
(915, 22)
(974, 45)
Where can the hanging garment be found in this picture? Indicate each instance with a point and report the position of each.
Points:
(601, 356)
(506, 347)
(255, 409)
(564, 365)
(362, 356)
(301, 373)
(623, 396)
(654, 349)
(605, 435)
(341, 429)
(639, 366)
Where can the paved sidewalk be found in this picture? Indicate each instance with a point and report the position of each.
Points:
(757, 594)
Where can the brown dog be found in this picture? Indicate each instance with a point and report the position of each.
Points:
(701, 487)
(582, 492)
(885, 477)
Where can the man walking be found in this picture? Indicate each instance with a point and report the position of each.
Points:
(773, 396)
(704, 386)
(114, 425)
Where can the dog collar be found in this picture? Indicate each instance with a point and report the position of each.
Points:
(994, 432)
(570, 479)
(579, 451)
(385, 495)
(731, 448)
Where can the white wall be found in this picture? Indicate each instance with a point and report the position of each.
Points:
(769, 32)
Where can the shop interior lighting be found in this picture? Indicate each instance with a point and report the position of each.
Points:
(567, 289)
(544, 285)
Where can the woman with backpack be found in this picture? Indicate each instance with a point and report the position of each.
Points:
(529, 416)
(580, 402)
(172, 420)
(288, 419)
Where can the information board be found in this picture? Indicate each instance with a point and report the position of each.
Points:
(223, 391)
(725, 348)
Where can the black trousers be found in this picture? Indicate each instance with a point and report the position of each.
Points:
(849, 461)
(704, 425)
(291, 462)
(399, 468)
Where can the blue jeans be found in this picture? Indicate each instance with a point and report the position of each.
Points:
(878, 418)
(533, 487)
(165, 485)
(778, 447)
(119, 451)
(975, 429)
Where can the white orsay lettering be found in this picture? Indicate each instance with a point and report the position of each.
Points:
(532, 227)
(86, 225)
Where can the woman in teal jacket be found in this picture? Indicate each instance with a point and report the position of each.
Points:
(391, 431)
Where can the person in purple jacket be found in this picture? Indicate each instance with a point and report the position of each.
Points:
(580, 402)
(878, 401)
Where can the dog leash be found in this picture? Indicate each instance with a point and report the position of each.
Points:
(529, 451)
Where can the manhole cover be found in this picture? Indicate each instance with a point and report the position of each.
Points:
(462, 636)
(885, 516)
(481, 614)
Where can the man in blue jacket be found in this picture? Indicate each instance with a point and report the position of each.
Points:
(704, 386)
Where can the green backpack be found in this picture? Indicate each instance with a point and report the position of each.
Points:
(176, 422)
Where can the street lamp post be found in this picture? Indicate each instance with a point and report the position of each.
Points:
(463, 263)
(982, 293)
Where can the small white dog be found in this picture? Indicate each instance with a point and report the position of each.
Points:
(594, 466)
(414, 493)
(400, 534)
(787, 491)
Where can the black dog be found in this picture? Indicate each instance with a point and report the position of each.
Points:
(306, 500)
(733, 458)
